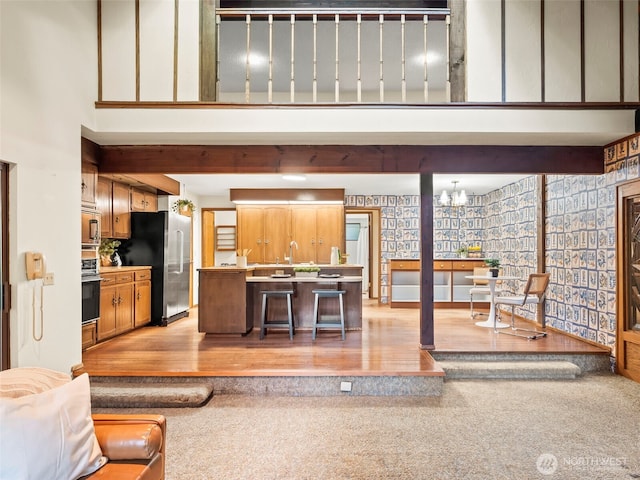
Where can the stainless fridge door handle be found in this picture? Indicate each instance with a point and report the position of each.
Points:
(181, 235)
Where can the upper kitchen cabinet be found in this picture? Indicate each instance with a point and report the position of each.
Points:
(89, 176)
(113, 205)
(143, 201)
(317, 228)
(266, 230)
(89, 173)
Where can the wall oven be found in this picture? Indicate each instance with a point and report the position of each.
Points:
(90, 290)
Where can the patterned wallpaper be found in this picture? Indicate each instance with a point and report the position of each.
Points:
(454, 227)
(580, 238)
(581, 246)
(399, 229)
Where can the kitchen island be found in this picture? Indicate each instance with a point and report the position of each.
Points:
(230, 298)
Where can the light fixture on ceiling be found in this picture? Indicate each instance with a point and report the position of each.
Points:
(294, 177)
(456, 199)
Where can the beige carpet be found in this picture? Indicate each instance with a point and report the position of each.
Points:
(588, 428)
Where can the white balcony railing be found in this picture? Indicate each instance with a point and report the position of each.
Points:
(306, 56)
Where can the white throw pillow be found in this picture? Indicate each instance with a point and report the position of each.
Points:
(50, 434)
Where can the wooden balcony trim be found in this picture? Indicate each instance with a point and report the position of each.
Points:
(453, 105)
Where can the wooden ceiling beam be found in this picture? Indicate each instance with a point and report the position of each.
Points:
(181, 159)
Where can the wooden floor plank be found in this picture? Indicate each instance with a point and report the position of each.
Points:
(388, 344)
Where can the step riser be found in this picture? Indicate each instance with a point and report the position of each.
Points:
(587, 363)
(551, 370)
(156, 393)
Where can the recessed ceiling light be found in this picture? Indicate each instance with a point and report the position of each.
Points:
(292, 177)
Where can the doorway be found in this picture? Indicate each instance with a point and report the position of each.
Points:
(5, 292)
(628, 294)
(362, 243)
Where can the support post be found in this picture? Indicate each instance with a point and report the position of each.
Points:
(427, 341)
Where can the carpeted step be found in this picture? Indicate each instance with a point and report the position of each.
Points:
(556, 370)
(149, 395)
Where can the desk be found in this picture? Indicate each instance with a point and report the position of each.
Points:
(491, 320)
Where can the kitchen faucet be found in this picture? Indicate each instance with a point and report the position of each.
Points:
(293, 242)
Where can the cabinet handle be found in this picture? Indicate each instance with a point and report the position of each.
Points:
(119, 299)
(138, 295)
(114, 302)
(313, 241)
(116, 219)
(266, 241)
(83, 186)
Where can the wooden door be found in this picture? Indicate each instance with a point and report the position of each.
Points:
(628, 281)
(250, 230)
(121, 209)
(142, 310)
(277, 233)
(124, 308)
(303, 231)
(103, 203)
(329, 231)
(107, 320)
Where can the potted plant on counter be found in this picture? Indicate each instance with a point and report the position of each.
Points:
(310, 271)
(106, 250)
(463, 252)
(494, 266)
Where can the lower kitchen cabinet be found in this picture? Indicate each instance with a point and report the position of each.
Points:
(88, 335)
(142, 300)
(125, 302)
(450, 285)
(405, 283)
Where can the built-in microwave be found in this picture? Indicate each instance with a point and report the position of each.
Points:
(90, 227)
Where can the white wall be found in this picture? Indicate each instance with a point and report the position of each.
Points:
(562, 50)
(47, 89)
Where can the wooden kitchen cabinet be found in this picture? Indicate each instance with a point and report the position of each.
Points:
(143, 201)
(125, 301)
(116, 304)
(112, 200)
(317, 228)
(266, 230)
(405, 283)
(142, 300)
(88, 185)
(89, 333)
(451, 287)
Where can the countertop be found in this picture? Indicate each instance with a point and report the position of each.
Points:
(131, 268)
(250, 268)
(294, 279)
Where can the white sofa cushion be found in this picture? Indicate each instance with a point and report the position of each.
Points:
(49, 434)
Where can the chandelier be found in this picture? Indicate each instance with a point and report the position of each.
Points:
(456, 199)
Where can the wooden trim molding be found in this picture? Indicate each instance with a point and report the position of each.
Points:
(306, 195)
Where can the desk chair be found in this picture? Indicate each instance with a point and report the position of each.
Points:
(534, 293)
(480, 287)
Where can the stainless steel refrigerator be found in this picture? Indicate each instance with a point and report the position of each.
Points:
(162, 240)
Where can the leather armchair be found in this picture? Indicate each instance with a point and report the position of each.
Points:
(134, 444)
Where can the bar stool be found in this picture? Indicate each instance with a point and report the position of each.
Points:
(277, 323)
(319, 320)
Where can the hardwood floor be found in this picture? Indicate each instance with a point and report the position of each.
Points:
(388, 344)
